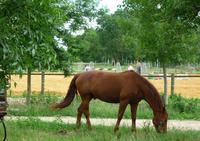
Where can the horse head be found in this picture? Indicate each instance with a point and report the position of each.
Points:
(160, 121)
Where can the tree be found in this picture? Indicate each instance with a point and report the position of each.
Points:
(115, 36)
(161, 26)
(27, 32)
(89, 46)
(81, 13)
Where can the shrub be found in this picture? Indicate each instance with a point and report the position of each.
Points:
(184, 105)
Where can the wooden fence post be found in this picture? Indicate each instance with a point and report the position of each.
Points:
(42, 82)
(28, 86)
(172, 84)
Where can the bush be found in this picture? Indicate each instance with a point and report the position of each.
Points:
(184, 105)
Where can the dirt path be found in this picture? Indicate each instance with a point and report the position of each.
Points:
(172, 124)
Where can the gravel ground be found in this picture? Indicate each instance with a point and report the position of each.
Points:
(172, 124)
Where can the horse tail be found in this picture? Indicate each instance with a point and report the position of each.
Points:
(69, 96)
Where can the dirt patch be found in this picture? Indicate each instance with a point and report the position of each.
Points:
(187, 87)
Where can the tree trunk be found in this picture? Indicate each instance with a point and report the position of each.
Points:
(28, 86)
(165, 98)
(42, 82)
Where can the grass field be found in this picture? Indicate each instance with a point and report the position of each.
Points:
(35, 130)
(59, 84)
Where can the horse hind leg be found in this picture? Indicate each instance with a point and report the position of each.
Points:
(84, 109)
(122, 108)
(87, 116)
(80, 112)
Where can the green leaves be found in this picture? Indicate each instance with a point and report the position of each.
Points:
(26, 34)
(161, 30)
(116, 35)
(28, 29)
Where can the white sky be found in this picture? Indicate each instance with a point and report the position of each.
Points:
(110, 4)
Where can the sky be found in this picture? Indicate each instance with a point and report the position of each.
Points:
(110, 4)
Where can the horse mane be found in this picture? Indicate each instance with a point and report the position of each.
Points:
(155, 93)
(151, 90)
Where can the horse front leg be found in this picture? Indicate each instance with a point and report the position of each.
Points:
(122, 108)
(133, 115)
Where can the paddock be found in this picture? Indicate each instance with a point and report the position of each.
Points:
(58, 84)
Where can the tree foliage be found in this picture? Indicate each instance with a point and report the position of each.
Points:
(162, 25)
(28, 29)
(26, 34)
(112, 39)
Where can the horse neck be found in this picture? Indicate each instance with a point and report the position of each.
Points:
(152, 97)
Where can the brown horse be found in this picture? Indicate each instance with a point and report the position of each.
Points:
(124, 88)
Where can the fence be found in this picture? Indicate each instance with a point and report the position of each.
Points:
(186, 85)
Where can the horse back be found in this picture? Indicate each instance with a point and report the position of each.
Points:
(105, 86)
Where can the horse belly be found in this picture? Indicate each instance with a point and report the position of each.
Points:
(107, 96)
(110, 100)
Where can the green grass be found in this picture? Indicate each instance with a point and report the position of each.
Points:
(35, 130)
(178, 108)
(41, 107)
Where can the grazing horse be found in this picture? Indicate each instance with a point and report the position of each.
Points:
(124, 88)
